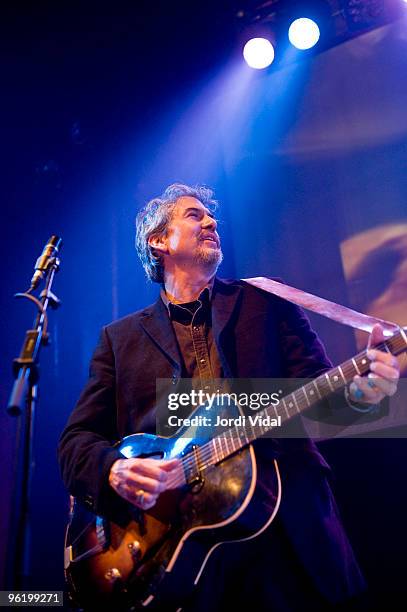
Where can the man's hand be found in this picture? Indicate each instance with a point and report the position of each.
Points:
(383, 376)
(140, 481)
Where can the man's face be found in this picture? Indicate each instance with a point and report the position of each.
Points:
(191, 234)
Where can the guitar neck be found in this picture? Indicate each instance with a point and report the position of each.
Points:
(297, 402)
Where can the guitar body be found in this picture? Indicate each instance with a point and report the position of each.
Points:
(161, 553)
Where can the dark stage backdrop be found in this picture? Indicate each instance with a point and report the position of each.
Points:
(309, 163)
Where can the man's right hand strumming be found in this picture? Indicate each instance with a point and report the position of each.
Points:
(140, 481)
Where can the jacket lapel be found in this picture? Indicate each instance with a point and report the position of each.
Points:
(156, 323)
(225, 300)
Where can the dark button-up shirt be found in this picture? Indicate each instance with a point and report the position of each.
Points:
(192, 324)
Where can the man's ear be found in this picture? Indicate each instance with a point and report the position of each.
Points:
(158, 244)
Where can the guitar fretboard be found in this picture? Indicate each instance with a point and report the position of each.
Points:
(290, 406)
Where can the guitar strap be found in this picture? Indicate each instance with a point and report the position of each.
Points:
(334, 311)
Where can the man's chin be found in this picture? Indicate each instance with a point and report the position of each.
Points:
(209, 256)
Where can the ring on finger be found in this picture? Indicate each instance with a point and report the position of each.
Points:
(358, 393)
(140, 497)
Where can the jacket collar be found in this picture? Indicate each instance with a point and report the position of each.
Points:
(156, 322)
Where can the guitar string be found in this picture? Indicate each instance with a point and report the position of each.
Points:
(207, 459)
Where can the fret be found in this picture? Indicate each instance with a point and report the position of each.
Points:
(295, 401)
(285, 407)
(265, 413)
(299, 399)
(224, 447)
(324, 388)
(230, 441)
(356, 366)
(215, 443)
(305, 394)
(365, 361)
(335, 379)
(222, 450)
(268, 411)
(256, 428)
(233, 439)
(239, 440)
(403, 335)
(235, 436)
(218, 449)
(207, 454)
(243, 436)
(314, 382)
(227, 438)
(290, 403)
(395, 344)
(253, 430)
(342, 374)
(329, 381)
(362, 362)
(227, 443)
(349, 370)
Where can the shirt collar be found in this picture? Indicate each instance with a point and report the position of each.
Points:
(204, 297)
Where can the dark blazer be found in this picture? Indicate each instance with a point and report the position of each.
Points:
(257, 335)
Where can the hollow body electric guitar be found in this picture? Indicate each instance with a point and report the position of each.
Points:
(140, 562)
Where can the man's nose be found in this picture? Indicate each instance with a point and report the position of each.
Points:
(209, 223)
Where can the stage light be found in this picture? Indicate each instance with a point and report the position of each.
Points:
(303, 33)
(258, 53)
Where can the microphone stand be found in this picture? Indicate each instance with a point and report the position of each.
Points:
(22, 404)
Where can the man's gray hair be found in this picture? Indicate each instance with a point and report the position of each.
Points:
(154, 218)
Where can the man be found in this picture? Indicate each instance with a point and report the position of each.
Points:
(204, 328)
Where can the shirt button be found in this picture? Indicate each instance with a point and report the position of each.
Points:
(202, 360)
(89, 501)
